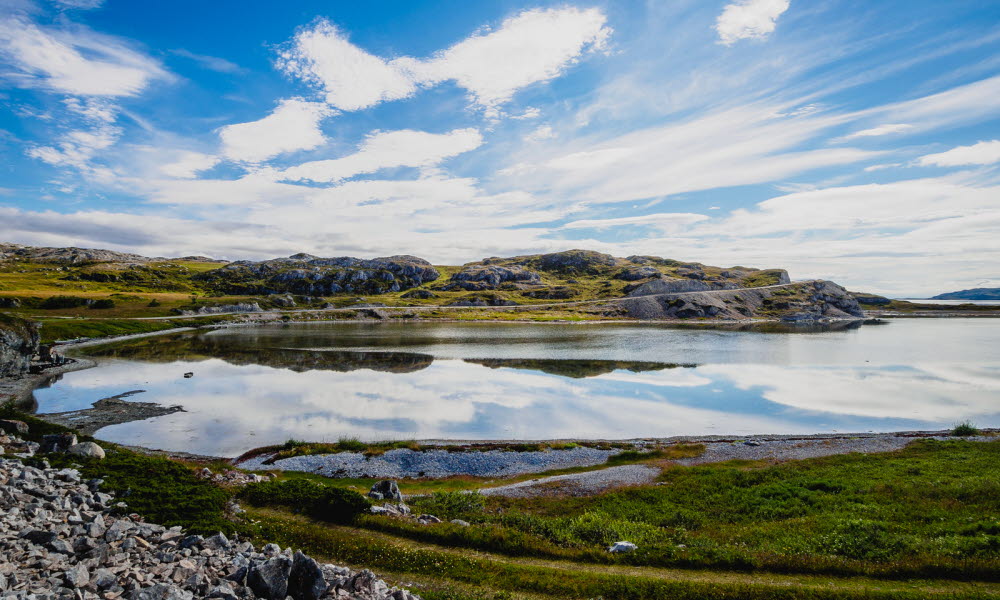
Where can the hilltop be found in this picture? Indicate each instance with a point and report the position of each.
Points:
(972, 294)
(569, 285)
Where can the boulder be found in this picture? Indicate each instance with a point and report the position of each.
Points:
(269, 579)
(618, 547)
(386, 489)
(87, 450)
(637, 273)
(57, 442)
(13, 426)
(490, 277)
(305, 581)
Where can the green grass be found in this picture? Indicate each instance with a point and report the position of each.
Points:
(927, 511)
(965, 429)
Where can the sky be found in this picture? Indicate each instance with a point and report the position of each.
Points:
(848, 140)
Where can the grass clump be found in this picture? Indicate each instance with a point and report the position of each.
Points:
(965, 429)
(321, 502)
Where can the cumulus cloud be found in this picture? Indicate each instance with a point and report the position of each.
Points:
(293, 125)
(749, 19)
(531, 47)
(352, 78)
(189, 164)
(983, 153)
(405, 148)
(74, 61)
(544, 132)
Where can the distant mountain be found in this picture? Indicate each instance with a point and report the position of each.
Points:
(973, 294)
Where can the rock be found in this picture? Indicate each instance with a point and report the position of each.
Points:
(428, 519)
(86, 449)
(57, 442)
(419, 295)
(460, 522)
(218, 542)
(188, 375)
(305, 581)
(162, 591)
(623, 547)
(18, 344)
(490, 277)
(77, 576)
(386, 490)
(637, 273)
(269, 579)
(12, 426)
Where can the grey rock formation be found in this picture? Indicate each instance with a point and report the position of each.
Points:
(18, 343)
(386, 489)
(669, 285)
(637, 273)
(86, 449)
(48, 549)
(491, 277)
(304, 274)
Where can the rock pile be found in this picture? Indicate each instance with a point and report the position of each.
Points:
(61, 537)
(231, 477)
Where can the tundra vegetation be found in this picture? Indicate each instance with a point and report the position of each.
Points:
(917, 523)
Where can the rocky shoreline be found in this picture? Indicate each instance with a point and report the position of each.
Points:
(61, 537)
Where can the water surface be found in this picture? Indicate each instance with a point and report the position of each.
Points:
(264, 385)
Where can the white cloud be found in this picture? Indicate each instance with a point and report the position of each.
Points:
(880, 130)
(74, 61)
(529, 113)
(530, 47)
(80, 4)
(77, 148)
(983, 153)
(353, 79)
(188, 164)
(380, 150)
(293, 125)
(543, 132)
(661, 221)
(213, 63)
(93, 109)
(751, 144)
(749, 19)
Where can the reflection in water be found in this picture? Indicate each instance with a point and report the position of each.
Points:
(253, 387)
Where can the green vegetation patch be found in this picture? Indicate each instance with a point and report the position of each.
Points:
(325, 503)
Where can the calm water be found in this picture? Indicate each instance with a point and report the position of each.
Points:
(257, 386)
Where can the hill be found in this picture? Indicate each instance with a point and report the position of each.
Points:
(973, 294)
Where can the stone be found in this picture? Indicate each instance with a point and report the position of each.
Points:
(428, 519)
(86, 449)
(386, 489)
(460, 522)
(218, 542)
(269, 579)
(623, 547)
(77, 577)
(162, 591)
(57, 442)
(13, 426)
(305, 581)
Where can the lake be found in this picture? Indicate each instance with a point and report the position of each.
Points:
(254, 386)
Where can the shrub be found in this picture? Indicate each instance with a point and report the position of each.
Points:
(103, 303)
(321, 502)
(57, 302)
(153, 303)
(452, 504)
(965, 429)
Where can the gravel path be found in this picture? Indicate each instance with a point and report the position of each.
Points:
(578, 484)
(404, 463)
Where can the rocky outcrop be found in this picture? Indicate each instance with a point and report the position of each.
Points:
(61, 537)
(70, 256)
(18, 343)
(637, 273)
(568, 263)
(305, 274)
(669, 285)
(241, 307)
(798, 302)
(490, 277)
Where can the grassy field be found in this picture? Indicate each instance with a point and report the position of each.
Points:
(918, 523)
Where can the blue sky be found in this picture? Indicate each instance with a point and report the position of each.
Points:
(854, 141)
